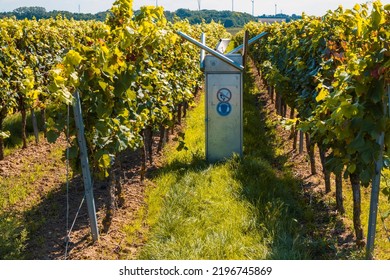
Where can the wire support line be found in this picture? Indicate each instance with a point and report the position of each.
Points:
(67, 180)
(71, 228)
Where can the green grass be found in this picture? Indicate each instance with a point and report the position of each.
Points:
(16, 200)
(382, 241)
(239, 209)
(16, 188)
(13, 237)
(382, 237)
(13, 124)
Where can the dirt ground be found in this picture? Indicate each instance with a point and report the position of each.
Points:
(112, 242)
(44, 211)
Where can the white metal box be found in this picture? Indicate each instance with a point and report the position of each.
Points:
(224, 116)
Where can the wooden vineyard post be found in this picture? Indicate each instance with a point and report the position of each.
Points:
(85, 167)
(375, 188)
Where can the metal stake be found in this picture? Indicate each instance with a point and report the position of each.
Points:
(202, 51)
(85, 167)
(245, 49)
(375, 190)
(211, 51)
(250, 42)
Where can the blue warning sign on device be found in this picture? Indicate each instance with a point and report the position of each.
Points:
(224, 95)
(224, 108)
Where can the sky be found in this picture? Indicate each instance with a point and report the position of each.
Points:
(311, 7)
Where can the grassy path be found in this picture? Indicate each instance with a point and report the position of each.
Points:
(241, 209)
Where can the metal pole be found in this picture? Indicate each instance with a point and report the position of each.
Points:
(245, 49)
(232, 5)
(253, 8)
(85, 167)
(202, 51)
(211, 51)
(375, 190)
(250, 42)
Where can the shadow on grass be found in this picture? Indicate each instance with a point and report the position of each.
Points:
(46, 222)
(39, 232)
(266, 185)
(198, 163)
(282, 210)
(12, 238)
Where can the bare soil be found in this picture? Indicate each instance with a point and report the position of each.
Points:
(44, 211)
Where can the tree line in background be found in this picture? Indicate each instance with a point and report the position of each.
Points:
(41, 13)
(227, 18)
(288, 18)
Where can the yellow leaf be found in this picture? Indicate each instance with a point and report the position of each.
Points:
(33, 94)
(357, 7)
(321, 95)
(96, 71)
(74, 58)
(117, 52)
(105, 49)
(59, 81)
(359, 28)
(131, 95)
(105, 161)
(103, 85)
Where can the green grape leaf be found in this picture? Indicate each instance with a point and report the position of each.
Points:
(385, 214)
(52, 136)
(73, 152)
(351, 168)
(104, 162)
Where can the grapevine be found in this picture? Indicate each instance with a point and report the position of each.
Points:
(333, 70)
